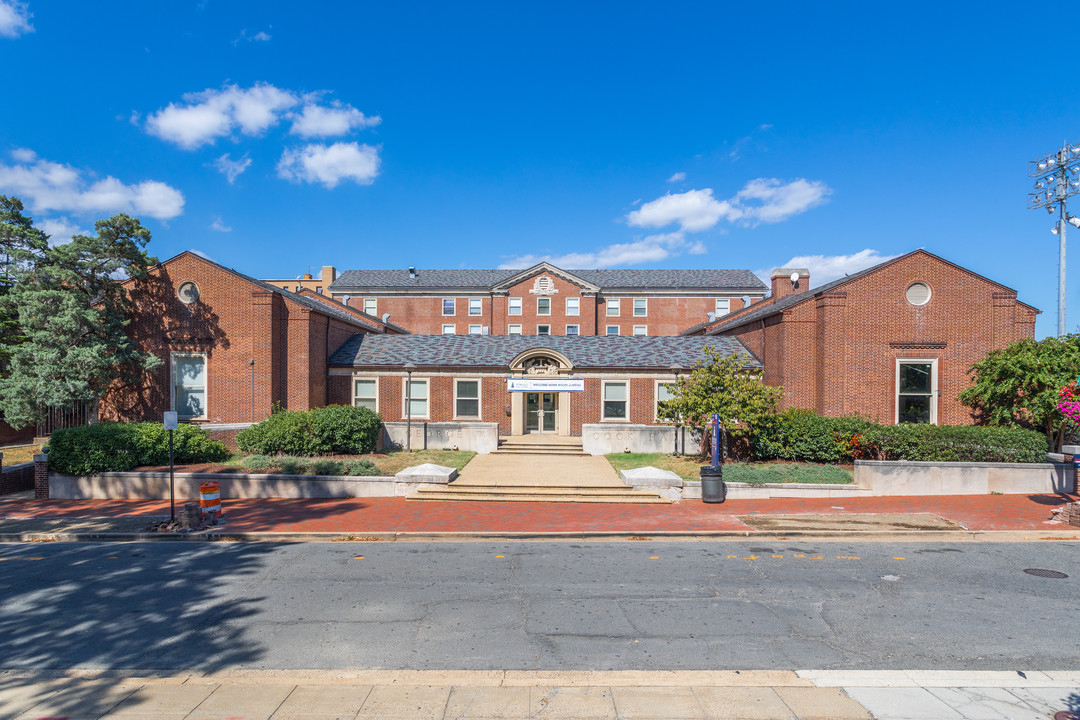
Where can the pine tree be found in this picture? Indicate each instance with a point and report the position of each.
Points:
(22, 247)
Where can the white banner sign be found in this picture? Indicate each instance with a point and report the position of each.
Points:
(545, 385)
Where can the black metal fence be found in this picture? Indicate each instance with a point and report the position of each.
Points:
(76, 414)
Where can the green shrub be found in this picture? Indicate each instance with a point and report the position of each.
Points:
(117, 447)
(291, 465)
(804, 435)
(335, 429)
(757, 474)
(361, 467)
(957, 443)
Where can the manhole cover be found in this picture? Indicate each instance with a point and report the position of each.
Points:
(1039, 572)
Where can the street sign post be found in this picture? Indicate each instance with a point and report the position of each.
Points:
(170, 425)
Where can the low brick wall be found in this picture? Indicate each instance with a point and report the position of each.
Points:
(896, 477)
(17, 478)
(608, 438)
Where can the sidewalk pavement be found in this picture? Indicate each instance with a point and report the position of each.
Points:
(396, 518)
(494, 695)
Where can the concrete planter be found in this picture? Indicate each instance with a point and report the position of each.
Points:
(608, 438)
(897, 477)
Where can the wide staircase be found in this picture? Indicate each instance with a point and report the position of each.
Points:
(538, 468)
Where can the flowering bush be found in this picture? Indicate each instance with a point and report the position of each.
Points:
(1069, 402)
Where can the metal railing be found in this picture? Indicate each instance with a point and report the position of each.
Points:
(76, 414)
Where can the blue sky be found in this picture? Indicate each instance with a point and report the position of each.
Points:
(274, 137)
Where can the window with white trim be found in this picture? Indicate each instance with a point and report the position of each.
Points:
(449, 329)
(615, 400)
(189, 385)
(467, 399)
(723, 306)
(366, 393)
(614, 307)
(663, 394)
(916, 390)
(416, 393)
(476, 306)
(513, 306)
(573, 306)
(513, 329)
(370, 306)
(612, 330)
(573, 330)
(476, 329)
(641, 330)
(641, 307)
(543, 329)
(543, 306)
(449, 306)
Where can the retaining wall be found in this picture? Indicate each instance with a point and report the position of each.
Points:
(479, 437)
(607, 438)
(898, 477)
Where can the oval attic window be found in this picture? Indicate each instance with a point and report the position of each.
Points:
(918, 293)
(188, 292)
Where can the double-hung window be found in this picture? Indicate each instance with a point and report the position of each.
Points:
(449, 306)
(641, 307)
(543, 306)
(615, 400)
(365, 393)
(614, 307)
(449, 329)
(663, 394)
(572, 330)
(467, 399)
(416, 398)
(476, 329)
(573, 306)
(189, 385)
(641, 330)
(371, 306)
(723, 306)
(476, 306)
(916, 391)
(543, 329)
(513, 329)
(513, 306)
(612, 330)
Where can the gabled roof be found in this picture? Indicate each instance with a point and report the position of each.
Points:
(485, 280)
(310, 304)
(497, 351)
(378, 324)
(545, 267)
(760, 311)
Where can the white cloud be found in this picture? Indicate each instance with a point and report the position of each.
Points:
(261, 36)
(219, 226)
(652, 248)
(330, 164)
(14, 19)
(767, 200)
(677, 177)
(338, 119)
(24, 155)
(205, 116)
(60, 230)
(48, 185)
(826, 268)
(230, 168)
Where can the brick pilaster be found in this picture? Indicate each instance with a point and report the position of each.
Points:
(41, 477)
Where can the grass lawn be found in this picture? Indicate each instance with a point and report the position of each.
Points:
(388, 464)
(16, 455)
(687, 467)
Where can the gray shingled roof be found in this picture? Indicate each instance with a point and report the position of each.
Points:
(607, 279)
(584, 351)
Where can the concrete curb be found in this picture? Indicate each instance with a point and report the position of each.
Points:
(848, 536)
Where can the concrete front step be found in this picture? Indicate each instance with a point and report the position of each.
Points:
(533, 450)
(534, 489)
(636, 499)
(535, 493)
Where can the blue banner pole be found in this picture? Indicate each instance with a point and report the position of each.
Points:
(716, 440)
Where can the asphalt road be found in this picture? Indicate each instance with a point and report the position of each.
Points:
(540, 606)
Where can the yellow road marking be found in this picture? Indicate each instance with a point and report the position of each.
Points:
(500, 556)
(654, 557)
(778, 556)
(846, 557)
(358, 557)
(899, 558)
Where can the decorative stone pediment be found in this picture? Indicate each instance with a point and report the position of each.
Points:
(541, 367)
(541, 271)
(544, 285)
(541, 362)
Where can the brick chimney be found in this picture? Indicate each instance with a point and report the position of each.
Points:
(782, 285)
(329, 274)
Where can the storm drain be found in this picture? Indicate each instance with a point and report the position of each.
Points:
(1039, 572)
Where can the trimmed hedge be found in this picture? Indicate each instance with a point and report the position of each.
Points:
(805, 436)
(118, 447)
(337, 429)
(290, 465)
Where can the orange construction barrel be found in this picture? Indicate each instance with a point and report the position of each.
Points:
(210, 497)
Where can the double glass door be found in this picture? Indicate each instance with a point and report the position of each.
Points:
(540, 411)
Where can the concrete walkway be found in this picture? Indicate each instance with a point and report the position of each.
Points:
(506, 695)
(499, 470)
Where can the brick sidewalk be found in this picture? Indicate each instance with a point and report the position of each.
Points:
(372, 515)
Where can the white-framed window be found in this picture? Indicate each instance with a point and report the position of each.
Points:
(366, 393)
(513, 306)
(449, 329)
(612, 330)
(662, 395)
(916, 390)
(543, 329)
(641, 307)
(543, 306)
(641, 330)
(614, 307)
(318, 289)
(476, 306)
(189, 385)
(513, 329)
(371, 306)
(723, 306)
(573, 306)
(414, 397)
(467, 399)
(449, 306)
(616, 400)
(476, 329)
(573, 330)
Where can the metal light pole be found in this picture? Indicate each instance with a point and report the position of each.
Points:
(409, 367)
(1057, 178)
(675, 369)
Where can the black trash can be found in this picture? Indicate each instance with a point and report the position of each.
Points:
(713, 489)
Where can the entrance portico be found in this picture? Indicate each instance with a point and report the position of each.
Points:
(540, 386)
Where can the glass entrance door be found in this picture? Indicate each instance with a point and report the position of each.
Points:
(540, 412)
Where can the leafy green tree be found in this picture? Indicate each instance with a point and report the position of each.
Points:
(1019, 384)
(722, 384)
(73, 310)
(22, 246)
